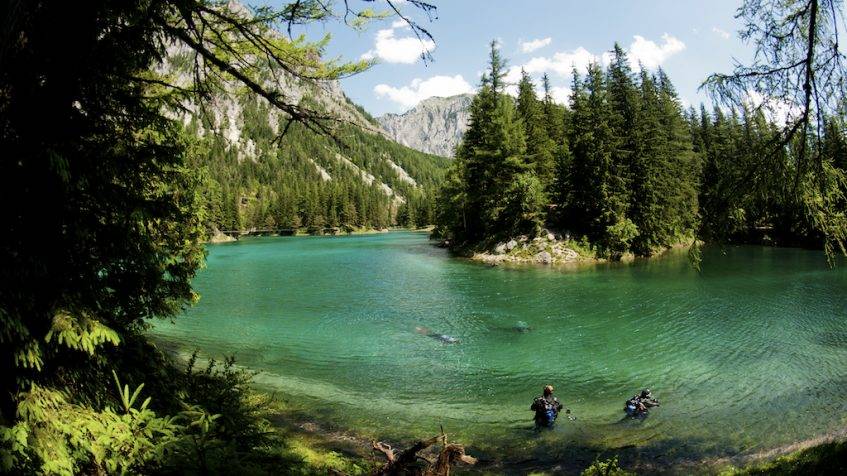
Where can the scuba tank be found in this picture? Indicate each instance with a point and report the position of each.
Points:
(631, 407)
(551, 414)
(545, 412)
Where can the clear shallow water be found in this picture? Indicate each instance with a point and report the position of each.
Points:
(748, 354)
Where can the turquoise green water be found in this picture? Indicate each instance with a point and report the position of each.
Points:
(748, 354)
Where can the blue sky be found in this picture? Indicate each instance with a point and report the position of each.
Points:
(689, 39)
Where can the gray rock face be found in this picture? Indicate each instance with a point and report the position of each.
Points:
(544, 257)
(435, 126)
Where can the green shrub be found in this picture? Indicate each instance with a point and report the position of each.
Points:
(618, 238)
(54, 436)
(606, 468)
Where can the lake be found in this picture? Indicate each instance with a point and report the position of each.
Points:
(747, 354)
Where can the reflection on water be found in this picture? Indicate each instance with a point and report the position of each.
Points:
(747, 354)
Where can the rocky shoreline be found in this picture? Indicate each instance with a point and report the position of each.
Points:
(548, 248)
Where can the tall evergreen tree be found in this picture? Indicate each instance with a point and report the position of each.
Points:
(488, 160)
(596, 202)
(647, 174)
(623, 108)
(681, 169)
(539, 145)
(554, 114)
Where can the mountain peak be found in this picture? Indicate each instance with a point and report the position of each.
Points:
(435, 125)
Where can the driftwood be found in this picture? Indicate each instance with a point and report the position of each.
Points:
(409, 462)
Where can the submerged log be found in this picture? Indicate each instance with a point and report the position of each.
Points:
(409, 462)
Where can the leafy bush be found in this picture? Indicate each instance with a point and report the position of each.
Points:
(606, 468)
(227, 424)
(54, 436)
(618, 238)
(207, 420)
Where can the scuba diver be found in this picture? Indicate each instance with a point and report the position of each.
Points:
(639, 405)
(546, 408)
(443, 338)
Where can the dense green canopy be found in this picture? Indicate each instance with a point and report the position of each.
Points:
(629, 169)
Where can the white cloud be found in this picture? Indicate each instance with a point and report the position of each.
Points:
(420, 89)
(532, 45)
(779, 111)
(391, 49)
(723, 34)
(513, 75)
(652, 55)
(561, 94)
(562, 63)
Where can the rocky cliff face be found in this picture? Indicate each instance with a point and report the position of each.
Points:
(435, 126)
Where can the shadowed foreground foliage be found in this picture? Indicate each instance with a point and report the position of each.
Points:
(826, 458)
(197, 419)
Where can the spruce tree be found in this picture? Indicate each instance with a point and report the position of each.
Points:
(648, 187)
(681, 169)
(596, 204)
(623, 106)
(554, 114)
(488, 160)
(539, 146)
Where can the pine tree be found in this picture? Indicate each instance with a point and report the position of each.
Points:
(554, 114)
(683, 169)
(623, 105)
(647, 170)
(594, 203)
(490, 155)
(539, 145)
(496, 68)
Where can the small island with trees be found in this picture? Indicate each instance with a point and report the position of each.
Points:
(625, 170)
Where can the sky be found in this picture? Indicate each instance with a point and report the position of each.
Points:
(689, 39)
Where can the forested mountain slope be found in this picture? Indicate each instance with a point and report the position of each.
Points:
(255, 177)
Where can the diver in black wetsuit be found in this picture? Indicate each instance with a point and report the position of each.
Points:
(546, 408)
(640, 404)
